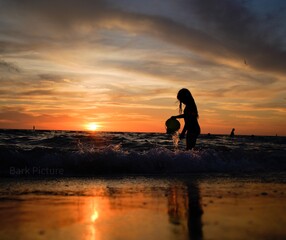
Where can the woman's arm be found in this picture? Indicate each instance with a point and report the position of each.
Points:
(182, 135)
(178, 116)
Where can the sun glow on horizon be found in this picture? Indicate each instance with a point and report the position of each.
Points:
(92, 126)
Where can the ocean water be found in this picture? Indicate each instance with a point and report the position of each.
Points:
(54, 153)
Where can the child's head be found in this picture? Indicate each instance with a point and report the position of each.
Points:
(185, 97)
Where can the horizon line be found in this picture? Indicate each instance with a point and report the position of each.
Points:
(117, 131)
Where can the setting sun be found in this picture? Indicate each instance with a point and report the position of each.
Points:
(92, 126)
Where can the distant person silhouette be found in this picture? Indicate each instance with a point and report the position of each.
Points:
(190, 115)
(232, 133)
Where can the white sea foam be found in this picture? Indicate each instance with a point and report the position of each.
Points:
(121, 153)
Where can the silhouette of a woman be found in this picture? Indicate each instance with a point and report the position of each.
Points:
(190, 115)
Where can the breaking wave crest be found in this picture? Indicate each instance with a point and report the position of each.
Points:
(115, 160)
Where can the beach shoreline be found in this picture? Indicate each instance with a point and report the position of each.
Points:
(184, 206)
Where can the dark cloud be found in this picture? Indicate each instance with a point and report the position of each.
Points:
(59, 11)
(261, 79)
(10, 67)
(40, 25)
(4, 92)
(173, 70)
(8, 47)
(14, 116)
(228, 28)
(38, 93)
(272, 105)
(66, 14)
(51, 77)
(244, 33)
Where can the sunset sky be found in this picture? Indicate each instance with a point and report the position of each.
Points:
(65, 64)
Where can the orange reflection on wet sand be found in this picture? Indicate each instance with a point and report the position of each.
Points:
(143, 209)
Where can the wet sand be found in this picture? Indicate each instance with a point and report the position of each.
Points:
(181, 207)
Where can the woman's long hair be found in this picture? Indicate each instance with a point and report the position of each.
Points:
(184, 95)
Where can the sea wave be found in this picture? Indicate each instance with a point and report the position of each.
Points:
(113, 159)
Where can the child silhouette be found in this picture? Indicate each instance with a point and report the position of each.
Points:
(190, 115)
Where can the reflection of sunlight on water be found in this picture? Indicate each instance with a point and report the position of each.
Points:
(94, 216)
(91, 235)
